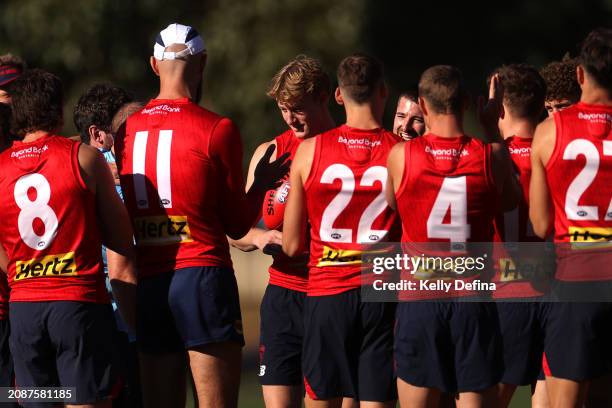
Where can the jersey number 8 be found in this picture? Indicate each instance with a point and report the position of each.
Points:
(36, 209)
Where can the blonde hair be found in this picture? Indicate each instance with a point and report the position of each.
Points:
(300, 77)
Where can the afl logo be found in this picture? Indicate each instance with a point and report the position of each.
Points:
(582, 213)
(335, 235)
(165, 202)
(41, 244)
(374, 237)
(283, 193)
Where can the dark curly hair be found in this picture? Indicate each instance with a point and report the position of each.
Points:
(37, 98)
(97, 106)
(561, 83)
(524, 90)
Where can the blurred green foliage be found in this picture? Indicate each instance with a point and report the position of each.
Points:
(89, 41)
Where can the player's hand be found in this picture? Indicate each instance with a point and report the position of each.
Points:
(490, 112)
(268, 237)
(268, 175)
(115, 172)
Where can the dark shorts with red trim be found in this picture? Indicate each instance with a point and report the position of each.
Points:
(577, 340)
(67, 344)
(348, 348)
(281, 336)
(450, 346)
(522, 338)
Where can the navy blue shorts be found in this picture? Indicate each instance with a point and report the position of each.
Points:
(577, 340)
(348, 348)
(69, 344)
(281, 336)
(451, 346)
(522, 337)
(6, 362)
(187, 308)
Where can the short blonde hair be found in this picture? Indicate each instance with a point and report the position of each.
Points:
(300, 77)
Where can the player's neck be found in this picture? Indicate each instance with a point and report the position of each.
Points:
(173, 88)
(362, 117)
(446, 126)
(595, 95)
(34, 136)
(324, 125)
(519, 128)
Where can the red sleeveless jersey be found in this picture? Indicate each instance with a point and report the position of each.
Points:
(287, 272)
(174, 185)
(346, 205)
(48, 225)
(579, 175)
(514, 226)
(446, 194)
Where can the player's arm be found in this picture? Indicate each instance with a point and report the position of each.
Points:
(294, 223)
(257, 237)
(116, 230)
(239, 211)
(395, 170)
(539, 194)
(508, 187)
(3, 260)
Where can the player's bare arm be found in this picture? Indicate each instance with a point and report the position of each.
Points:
(539, 195)
(116, 230)
(242, 210)
(257, 238)
(507, 184)
(395, 170)
(3, 260)
(294, 225)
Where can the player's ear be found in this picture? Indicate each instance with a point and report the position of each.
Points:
(95, 135)
(153, 62)
(338, 96)
(423, 107)
(580, 75)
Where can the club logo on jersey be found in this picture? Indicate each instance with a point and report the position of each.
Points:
(162, 230)
(50, 265)
(590, 237)
(30, 152)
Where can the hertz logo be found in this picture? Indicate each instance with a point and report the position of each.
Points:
(50, 265)
(162, 230)
(332, 257)
(589, 238)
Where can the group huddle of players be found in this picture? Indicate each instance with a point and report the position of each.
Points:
(178, 169)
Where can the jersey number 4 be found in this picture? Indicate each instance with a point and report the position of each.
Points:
(583, 147)
(452, 196)
(164, 190)
(365, 233)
